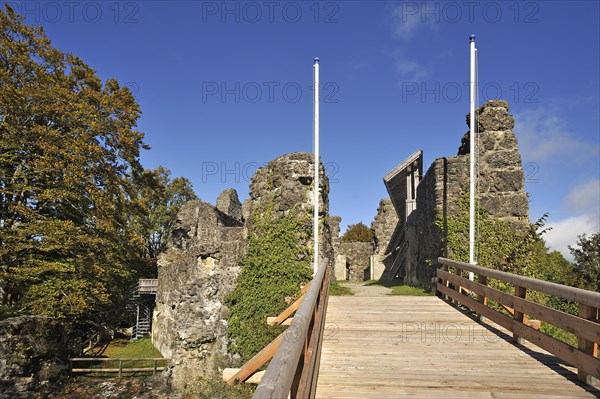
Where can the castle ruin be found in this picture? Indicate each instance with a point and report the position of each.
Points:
(419, 200)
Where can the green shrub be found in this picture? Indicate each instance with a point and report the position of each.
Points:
(501, 246)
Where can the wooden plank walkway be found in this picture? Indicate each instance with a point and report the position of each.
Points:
(421, 347)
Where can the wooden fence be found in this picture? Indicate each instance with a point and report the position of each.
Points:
(123, 365)
(585, 326)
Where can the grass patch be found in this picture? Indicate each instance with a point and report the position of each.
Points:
(337, 290)
(385, 283)
(124, 348)
(409, 291)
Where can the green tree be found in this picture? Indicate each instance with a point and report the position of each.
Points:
(158, 200)
(357, 233)
(587, 261)
(502, 246)
(69, 159)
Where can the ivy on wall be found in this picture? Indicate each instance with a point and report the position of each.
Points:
(274, 268)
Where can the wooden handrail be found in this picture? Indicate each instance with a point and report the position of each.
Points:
(579, 295)
(293, 371)
(585, 325)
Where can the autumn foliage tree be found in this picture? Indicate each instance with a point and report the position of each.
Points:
(73, 195)
(158, 201)
(358, 232)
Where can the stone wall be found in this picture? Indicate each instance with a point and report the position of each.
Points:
(34, 356)
(384, 224)
(358, 256)
(500, 187)
(198, 270)
(334, 226)
(286, 183)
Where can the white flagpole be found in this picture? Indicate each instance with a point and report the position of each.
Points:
(316, 162)
(472, 160)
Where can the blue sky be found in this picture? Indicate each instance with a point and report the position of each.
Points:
(226, 87)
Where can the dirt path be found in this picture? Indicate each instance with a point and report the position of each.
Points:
(361, 289)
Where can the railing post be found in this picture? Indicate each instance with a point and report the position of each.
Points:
(481, 297)
(458, 272)
(589, 347)
(521, 292)
(446, 283)
(120, 368)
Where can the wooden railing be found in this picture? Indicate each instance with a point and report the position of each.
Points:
(294, 367)
(585, 326)
(122, 365)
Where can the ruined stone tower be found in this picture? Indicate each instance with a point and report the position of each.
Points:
(419, 200)
(201, 265)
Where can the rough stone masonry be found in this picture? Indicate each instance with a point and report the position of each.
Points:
(500, 191)
(201, 265)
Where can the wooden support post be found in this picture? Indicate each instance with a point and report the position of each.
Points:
(521, 292)
(291, 309)
(258, 360)
(253, 379)
(271, 321)
(589, 347)
(120, 368)
(458, 272)
(446, 283)
(481, 297)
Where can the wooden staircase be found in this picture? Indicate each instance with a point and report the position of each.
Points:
(141, 303)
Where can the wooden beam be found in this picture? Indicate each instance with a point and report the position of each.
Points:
(257, 361)
(287, 312)
(116, 370)
(286, 322)
(253, 379)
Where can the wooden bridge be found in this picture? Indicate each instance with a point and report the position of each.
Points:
(456, 345)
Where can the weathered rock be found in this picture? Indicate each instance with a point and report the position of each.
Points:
(34, 356)
(358, 256)
(198, 270)
(201, 264)
(500, 184)
(286, 184)
(384, 224)
(229, 203)
(334, 225)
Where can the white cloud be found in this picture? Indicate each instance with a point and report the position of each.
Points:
(410, 70)
(544, 135)
(409, 17)
(564, 232)
(585, 197)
